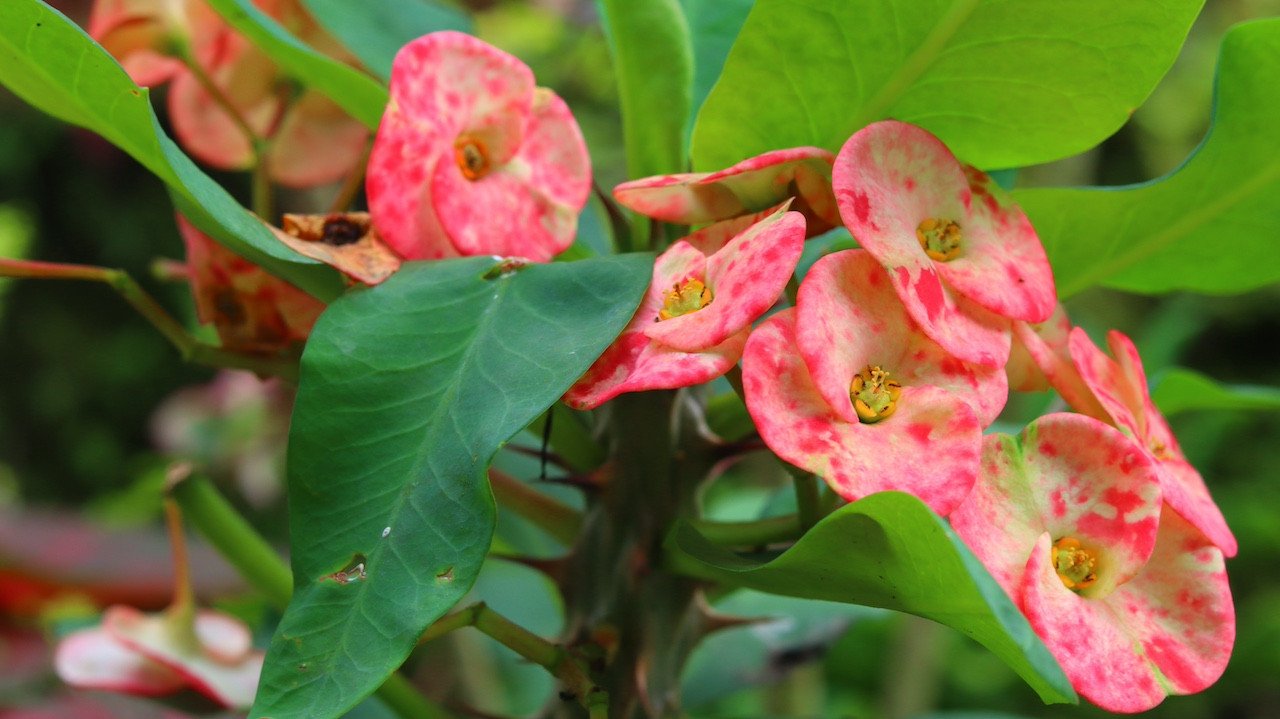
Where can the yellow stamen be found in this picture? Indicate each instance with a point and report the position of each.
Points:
(1077, 567)
(684, 298)
(472, 157)
(874, 394)
(940, 239)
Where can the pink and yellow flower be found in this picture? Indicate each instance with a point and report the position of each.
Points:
(1130, 599)
(963, 258)
(754, 185)
(1120, 387)
(693, 322)
(473, 158)
(846, 386)
(252, 310)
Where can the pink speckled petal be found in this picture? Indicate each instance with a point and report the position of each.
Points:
(745, 277)
(711, 238)
(960, 327)
(1088, 640)
(93, 659)
(204, 129)
(930, 447)
(850, 317)
(634, 363)
(749, 186)
(402, 159)
(316, 143)
(1120, 387)
(232, 684)
(1002, 266)
(528, 207)
(1180, 608)
(1051, 356)
(1050, 337)
(1068, 475)
(676, 264)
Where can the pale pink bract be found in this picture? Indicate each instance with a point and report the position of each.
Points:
(472, 158)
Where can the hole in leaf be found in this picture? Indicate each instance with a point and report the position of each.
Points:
(353, 572)
(445, 575)
(506, 267)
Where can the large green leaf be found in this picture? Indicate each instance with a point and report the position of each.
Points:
(1178, 390)
(713, 26)
(652, 58)
(889, 551)
(360, 95)
(407, 391)
(51, 63)
(374, 30)
(1209, 226)
(1003, 83)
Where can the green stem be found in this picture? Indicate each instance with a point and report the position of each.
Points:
(570, 438)
(617, 218)
(258, 563)
(914, 668)
(231, 535)
(351, 185)
(554, 658)
(807, 499)
(559, 520)
(191, 349)
(750, 534)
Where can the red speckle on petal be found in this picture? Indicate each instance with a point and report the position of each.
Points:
(861, 207)
(1124, 502)
(929, 291)
(1048, 449)
(920, 431)
(911, 184)
(1057, 504)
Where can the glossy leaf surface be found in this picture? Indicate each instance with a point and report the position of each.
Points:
(357, 93)
(1209, 226)
(999, 90)
(374, 30)
(407, 390)
(896, 554)
(55, 66)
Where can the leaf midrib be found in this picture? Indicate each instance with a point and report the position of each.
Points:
(916, 64)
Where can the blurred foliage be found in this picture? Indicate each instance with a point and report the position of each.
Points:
(81, 377)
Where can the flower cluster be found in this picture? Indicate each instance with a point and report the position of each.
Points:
(892, 359)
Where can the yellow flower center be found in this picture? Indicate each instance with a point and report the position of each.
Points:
(472, 157)
(940, 239)
(684, 298)
(1077, 566)
(874, 394)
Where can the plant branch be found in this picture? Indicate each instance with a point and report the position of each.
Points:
(552, 516)
(807, 498)
(191, 349)
(556, 659)
(351, 184)
(617, 219)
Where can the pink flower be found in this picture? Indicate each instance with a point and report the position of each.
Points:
(846, 386)
(1132, 601)
(751, 186)
(963, 258)
(693, 322)
(252, 310)
(159, 654)
(472, 158)
(1120, 386)
(1041, 358)
(310, 140)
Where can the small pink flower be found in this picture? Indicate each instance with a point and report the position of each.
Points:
(252, 310)
(694, 320)
(751, 186)
(1132, 601)
(963, 258)
(847, 387)
(142, 35)
(159, 654)
(1041, 358)
(1120, 386)
(472, 158)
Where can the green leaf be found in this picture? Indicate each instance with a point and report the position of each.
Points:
(375, 30)
(895, 553)
(1178, 390)
(51, 63)
(649, 40)
(1209, 226)
(1004, 84)
(407, 391)
(713, 26)
(359, 95)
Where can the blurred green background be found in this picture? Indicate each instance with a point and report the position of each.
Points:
(82, 377)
